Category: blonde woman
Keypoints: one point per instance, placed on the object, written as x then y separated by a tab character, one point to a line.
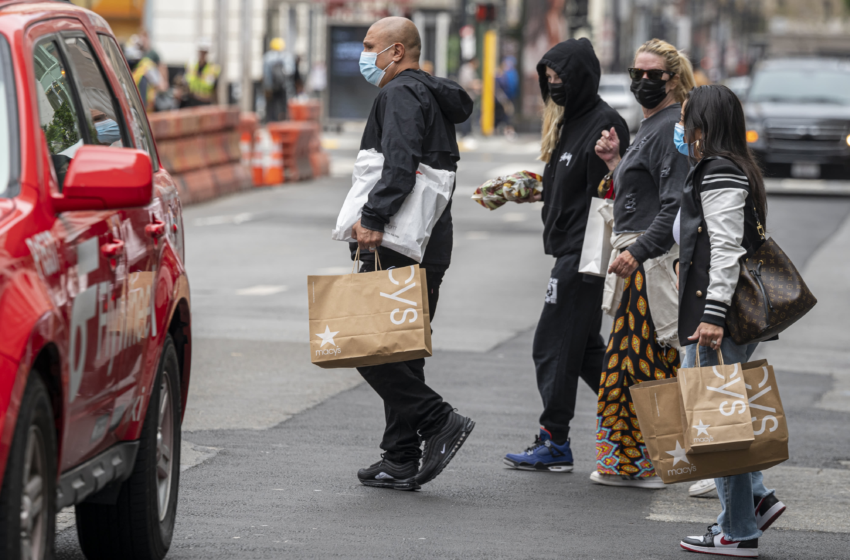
567	344
640	289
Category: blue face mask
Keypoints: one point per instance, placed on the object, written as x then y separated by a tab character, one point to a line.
107	132
679	140
369	68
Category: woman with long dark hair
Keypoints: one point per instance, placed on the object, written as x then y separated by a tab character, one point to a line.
724	211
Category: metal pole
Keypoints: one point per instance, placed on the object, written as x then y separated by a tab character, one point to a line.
247	100
199	20
221	50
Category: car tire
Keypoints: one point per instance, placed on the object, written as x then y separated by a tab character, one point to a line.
140	525
28	494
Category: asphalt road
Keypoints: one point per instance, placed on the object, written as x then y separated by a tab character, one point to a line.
273	443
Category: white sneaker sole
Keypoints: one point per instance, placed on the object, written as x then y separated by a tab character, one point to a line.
557	469
765	521
737	552
611	480
702	490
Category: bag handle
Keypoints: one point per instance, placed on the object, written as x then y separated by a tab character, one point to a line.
354	267
719	356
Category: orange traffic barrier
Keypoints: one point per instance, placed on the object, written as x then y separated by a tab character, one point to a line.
267	160
310	110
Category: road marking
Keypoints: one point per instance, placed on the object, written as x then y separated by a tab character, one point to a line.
804	490
514	217
334	271
222	220
261	290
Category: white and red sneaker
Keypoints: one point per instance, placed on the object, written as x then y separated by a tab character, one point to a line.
768	510
719	545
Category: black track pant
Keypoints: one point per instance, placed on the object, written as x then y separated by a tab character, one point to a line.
412	408
567	343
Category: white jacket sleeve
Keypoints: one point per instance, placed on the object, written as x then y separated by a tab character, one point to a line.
724	216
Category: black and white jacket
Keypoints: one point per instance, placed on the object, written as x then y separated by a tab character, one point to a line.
718	227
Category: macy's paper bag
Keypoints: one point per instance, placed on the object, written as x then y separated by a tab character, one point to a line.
369	318
597	248
410	228
716	411
658	405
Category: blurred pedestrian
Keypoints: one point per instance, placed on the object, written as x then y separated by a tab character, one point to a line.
639	291
507	92
724	209
427	67
202	77
468	79
568	345
412	121
149	80
278	84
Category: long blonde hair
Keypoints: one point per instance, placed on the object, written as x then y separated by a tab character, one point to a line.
674	61
553	114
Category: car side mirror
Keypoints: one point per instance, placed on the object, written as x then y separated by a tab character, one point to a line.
106	178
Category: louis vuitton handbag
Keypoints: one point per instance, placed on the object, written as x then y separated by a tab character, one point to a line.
770	297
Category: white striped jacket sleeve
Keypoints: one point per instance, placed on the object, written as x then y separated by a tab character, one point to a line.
723	202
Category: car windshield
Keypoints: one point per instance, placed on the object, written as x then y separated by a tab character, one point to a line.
829	87
5	135
612	89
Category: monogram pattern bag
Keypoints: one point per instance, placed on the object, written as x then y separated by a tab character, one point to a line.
770	296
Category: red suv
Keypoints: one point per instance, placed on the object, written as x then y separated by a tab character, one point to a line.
95	327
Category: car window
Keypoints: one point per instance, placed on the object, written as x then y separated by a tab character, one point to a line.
612	89
810	85
101	113
8	130
138	122
57	107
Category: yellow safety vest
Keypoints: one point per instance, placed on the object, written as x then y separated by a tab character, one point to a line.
204	83
141	69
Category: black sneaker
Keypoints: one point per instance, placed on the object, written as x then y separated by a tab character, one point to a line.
768	510
719	545
440	448
389	474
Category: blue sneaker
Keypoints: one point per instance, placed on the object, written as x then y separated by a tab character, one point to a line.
543	455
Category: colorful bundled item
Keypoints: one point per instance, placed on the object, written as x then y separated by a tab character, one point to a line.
516	186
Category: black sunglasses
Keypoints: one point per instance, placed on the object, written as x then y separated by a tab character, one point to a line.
637	73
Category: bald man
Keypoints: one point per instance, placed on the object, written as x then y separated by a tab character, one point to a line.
412	122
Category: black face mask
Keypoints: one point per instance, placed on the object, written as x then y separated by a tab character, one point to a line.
558	93
649	93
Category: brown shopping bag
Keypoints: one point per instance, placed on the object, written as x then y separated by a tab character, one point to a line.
658	405
716	411
369	318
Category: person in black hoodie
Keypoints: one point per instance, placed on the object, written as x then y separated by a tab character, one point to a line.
412	121
568	344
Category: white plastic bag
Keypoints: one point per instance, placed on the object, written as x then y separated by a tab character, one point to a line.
596	250
409	230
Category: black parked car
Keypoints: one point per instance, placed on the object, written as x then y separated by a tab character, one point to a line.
798	117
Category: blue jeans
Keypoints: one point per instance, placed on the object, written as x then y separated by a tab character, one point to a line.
737	520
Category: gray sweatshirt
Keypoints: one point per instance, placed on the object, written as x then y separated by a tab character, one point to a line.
648	185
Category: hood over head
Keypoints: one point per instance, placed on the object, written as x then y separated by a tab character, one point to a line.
576	64
454	102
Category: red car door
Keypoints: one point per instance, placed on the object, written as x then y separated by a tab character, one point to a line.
89	245
139	226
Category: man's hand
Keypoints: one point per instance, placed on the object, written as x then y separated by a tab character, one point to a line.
708	335
624	265
367	239
608	148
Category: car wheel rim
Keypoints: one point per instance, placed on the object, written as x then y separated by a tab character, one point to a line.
164	446
34	498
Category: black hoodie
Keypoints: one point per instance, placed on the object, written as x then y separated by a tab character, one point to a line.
571	177
412	121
